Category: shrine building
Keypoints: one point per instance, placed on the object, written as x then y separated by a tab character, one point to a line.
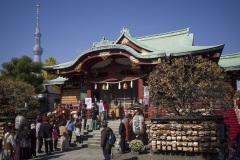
118	70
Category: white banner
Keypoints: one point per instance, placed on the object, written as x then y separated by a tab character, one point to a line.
88	102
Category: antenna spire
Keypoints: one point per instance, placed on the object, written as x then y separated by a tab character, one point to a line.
38	8
37	49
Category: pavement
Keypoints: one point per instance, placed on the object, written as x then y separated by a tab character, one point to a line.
83	153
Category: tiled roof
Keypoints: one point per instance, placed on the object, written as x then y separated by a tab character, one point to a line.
230	62
176	43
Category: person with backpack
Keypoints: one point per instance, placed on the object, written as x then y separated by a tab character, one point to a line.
108	139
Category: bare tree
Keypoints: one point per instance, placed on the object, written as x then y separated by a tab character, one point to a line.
189	85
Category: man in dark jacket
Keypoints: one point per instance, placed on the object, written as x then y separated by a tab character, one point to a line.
84	115
122	133
94	113
47	135
106	148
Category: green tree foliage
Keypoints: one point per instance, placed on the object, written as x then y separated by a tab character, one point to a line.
14	94
49	62
189	86
23	69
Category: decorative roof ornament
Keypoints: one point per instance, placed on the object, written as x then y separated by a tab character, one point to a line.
103	42
125	31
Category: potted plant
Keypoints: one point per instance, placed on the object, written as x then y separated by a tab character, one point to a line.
136	146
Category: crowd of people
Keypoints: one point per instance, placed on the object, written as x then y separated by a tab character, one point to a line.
28	141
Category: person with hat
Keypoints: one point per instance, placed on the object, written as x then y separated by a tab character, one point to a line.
33	140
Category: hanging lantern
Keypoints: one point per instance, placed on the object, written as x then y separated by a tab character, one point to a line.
119	85
107	86
125	85
131	84
104	87
95	87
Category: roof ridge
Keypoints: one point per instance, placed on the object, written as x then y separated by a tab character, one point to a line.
230	55
166	34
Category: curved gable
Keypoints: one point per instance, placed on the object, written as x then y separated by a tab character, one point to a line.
126	39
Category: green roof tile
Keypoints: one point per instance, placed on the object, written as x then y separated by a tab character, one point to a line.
230	62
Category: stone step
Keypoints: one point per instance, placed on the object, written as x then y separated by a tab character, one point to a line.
92	138
94	141
98	146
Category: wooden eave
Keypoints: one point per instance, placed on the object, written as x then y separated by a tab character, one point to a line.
212	54
82	68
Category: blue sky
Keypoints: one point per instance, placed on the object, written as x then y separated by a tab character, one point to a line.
69	27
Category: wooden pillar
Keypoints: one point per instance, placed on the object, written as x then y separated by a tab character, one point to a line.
140	90
89	91
234	83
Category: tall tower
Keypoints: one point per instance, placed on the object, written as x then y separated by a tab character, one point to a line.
37	49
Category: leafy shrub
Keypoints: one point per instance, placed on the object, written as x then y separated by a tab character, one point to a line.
136	145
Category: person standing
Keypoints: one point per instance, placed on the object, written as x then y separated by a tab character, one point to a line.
105	105
77	126
39	135
84	116
70	128
101	111
106	148
64	143
122	133
47	135
55	136
8	144
22	141
33	140
94	112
